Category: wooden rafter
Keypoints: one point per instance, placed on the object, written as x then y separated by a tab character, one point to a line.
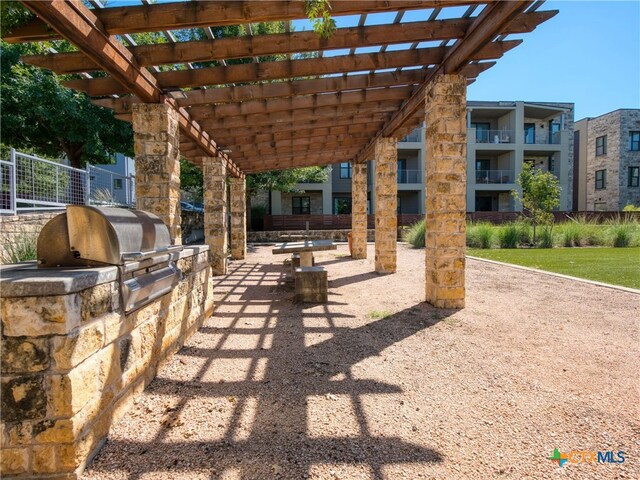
267	71
80	26
284	43
178	15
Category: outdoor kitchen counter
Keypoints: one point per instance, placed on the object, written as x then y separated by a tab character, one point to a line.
27	280
73	360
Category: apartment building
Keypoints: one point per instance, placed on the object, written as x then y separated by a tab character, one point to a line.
501	136
607	161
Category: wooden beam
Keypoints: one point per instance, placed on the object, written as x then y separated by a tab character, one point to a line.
285	43
300	103
80	26
297	116
294	160
300	144
179	15
494	18
265	71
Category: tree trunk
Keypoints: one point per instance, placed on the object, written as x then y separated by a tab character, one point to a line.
77	181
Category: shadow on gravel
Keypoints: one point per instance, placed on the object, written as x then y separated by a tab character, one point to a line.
277	381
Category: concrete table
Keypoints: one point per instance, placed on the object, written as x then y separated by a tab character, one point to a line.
305	249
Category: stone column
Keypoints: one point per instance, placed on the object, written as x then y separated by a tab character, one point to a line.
238	207
359	210
386	158
446	175
214	172
156	144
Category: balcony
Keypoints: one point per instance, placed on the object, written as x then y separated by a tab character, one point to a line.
414	136
409	176
495	136
494	177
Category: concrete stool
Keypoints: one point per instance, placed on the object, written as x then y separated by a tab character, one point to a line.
295	262
311	285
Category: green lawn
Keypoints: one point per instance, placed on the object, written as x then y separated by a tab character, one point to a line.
618	266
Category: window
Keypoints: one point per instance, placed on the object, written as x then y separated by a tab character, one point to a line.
529	133
634	177
554	127
300	205
117	184
601	179
342	205
601	146
552	163
634	141
482	131
345	170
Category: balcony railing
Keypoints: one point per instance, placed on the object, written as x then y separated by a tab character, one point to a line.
494	176
413	136
409	176
495	136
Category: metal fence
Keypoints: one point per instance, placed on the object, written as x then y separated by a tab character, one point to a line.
31	183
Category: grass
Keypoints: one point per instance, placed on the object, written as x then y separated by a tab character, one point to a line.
21	249
378	314
617	266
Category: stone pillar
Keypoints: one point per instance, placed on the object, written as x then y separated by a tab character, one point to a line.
386	235
238	207
214	172
359	210
446	175
156	144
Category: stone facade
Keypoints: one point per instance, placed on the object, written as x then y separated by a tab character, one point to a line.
16	229
157	149
446	175
386	204
214	171
359	210
619	157
315	202
73	362
238	209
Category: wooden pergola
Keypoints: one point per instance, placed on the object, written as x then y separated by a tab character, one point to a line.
279	114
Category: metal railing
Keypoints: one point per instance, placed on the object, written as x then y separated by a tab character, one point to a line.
495	136
31	183
410	176
494	176
414	136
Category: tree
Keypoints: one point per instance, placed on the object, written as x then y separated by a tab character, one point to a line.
540	195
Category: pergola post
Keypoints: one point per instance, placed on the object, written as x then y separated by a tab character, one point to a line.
359	210
157	152
214	172
386	204
238	207
446	176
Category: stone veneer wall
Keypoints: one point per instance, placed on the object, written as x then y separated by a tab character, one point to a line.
73	362
359	210
315	202
386	204
15	227
238	211
214	172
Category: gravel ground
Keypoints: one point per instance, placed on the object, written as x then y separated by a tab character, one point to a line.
378	385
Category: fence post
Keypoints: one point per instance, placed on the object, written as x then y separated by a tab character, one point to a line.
87	188
13	187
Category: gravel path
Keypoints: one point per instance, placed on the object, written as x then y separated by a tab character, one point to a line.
378	385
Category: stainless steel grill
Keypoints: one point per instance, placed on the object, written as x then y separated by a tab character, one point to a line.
137	242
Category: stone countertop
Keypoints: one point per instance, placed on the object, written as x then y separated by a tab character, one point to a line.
26	280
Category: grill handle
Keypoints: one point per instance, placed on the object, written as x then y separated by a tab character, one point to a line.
137	256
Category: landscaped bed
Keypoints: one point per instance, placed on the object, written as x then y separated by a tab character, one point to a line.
618	266
377	384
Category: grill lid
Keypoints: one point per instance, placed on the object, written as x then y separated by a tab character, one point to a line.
87	235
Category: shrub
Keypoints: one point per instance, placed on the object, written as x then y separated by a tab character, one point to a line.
509	236
572	234
545	239
415	234
631	208
480	235
525	233
21	249
622	234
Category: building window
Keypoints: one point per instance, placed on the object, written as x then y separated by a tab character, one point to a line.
300	205
529	133
552	164
634	141
345	170
117	184
342	205
634	177
601	179
554	128
601	146
482	131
